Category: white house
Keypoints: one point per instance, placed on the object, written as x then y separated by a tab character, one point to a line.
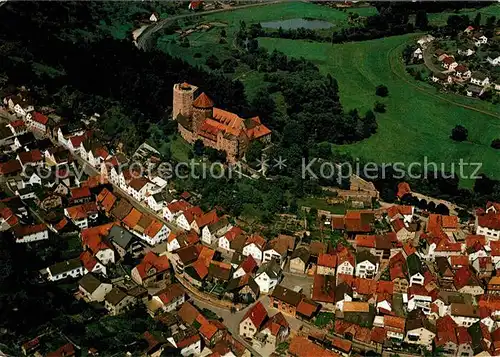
139	188
28	234
174	209
366	265
494	59
466	51
415	270
488	225
92	288
253	320
156	202
154	17
91	264
278	248
216	231
423	41
170	298
345	263
479	79
37	121
462	72
246	267
267	277
20	104
189	344
420	332
254	246
156	233
72	268
418	54
81	215
419	298
464	314
187	217
480	39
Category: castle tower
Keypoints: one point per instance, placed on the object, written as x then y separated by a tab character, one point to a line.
183	99
202	109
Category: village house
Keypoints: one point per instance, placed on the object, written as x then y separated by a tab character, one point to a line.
419	331
479	79
188	216
247	266
462	72
276	329
82	215
92	264
366	265
216	231
326	264
345	262
268	276
278	248
168	299
466	51
226	241
37	121
254	246
299	260
466	281
449	63
464	314
198	119
153	270
92	288
243	289
204	220
488	225
21	104
28	234
253	320
93	239
285	300
415	270
118	302
72	268
479	39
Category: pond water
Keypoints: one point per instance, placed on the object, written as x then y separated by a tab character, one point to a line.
293	24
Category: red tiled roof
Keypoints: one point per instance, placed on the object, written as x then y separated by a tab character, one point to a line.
447	246
398	225
40	118
386	287
21	230
472	239
394	323
489	220
132	218
206	255
364	286
378	335
275	323
30	156
233	233
327	260
82	211
67	350
203	102
200	268
108	202
153	228
151	260
138	183
178	206
463	277
324	288
257	314
188	313
302	347
92	237
88	260
206	219
463	336
363	240
257	240
173	291
192	213
495	248
307	307
403	189
248	265
80	192
208	330
459	260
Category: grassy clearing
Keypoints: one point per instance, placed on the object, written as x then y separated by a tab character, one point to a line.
418	120
439	19
321	204
180	149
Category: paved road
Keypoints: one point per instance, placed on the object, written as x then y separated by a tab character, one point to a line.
142	41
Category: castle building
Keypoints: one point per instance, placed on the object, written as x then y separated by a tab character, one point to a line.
216	128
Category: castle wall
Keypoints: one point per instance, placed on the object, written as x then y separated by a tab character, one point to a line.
183	99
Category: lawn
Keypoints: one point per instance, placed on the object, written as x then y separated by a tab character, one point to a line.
439	19
418	120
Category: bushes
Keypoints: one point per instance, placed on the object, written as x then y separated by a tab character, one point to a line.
495	144
379	107
459	133
382	91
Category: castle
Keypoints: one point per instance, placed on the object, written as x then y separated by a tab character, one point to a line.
216	128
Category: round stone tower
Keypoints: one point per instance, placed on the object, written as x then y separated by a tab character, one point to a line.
202	109
183	99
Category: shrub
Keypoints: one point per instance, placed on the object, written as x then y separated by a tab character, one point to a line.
459	133
379	107
495	144
382	91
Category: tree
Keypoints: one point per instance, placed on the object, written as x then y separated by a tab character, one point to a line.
382	91
422	204
421	20
379	107
213	62
459	133
198	147
254	152
442	209
477	20
223	33
495	144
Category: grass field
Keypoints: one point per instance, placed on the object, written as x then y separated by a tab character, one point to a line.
440	18
205	43
418	120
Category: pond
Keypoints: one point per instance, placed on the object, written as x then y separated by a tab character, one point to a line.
293	24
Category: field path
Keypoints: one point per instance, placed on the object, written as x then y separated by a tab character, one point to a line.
425	91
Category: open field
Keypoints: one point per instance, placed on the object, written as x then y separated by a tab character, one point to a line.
439	19
205	43
418	120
